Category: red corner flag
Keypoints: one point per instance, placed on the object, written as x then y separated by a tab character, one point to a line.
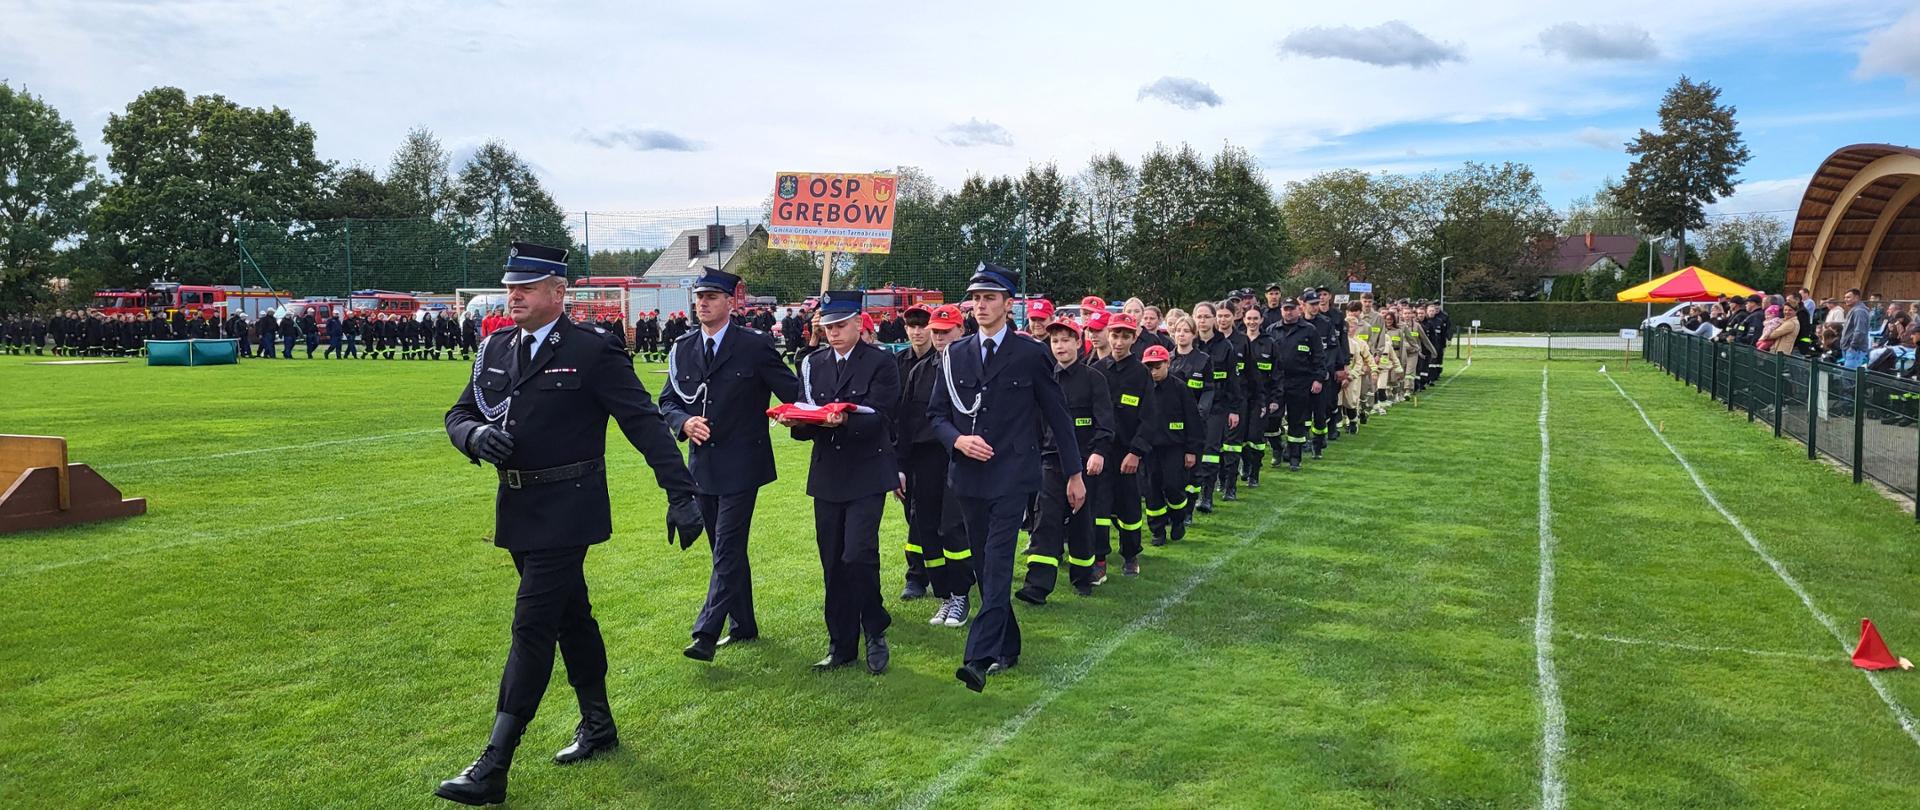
1872	652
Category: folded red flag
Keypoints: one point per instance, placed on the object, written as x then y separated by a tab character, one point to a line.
1872	653
812	414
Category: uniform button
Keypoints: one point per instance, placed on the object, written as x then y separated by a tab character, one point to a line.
516	392
512	422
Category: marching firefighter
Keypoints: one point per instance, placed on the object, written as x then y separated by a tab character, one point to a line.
1303	375
1061	528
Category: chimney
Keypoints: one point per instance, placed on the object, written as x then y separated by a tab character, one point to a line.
693	245
716	235
1589	241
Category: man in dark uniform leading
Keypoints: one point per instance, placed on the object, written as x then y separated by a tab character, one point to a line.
719	379
537	409
997	393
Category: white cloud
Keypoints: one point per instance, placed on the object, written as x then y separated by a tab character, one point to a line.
642	139
1610	140
1600	42
1893	50
1780	197
1182	92
976	132
1389	44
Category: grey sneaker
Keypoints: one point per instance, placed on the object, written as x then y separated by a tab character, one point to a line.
959	612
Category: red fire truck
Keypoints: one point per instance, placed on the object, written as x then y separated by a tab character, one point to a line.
163	298
382	302
890	301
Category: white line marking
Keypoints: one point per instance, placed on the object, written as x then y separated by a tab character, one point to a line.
1642	642
1900	712
232	453
1462	370
1553	715
1072	676
199	537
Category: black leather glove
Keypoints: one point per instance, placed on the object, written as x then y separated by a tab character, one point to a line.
683	519
490	444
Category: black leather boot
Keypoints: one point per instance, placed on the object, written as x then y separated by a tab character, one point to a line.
596	733
1229	488
1293	456
485	781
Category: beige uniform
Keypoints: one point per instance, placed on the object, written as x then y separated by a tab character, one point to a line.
1359	372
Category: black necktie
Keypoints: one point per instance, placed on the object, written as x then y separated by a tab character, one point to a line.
839	369
990	348
710	350
526	353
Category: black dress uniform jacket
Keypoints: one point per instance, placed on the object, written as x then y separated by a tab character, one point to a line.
1017	386
855	459
557	411
1297	354
746	370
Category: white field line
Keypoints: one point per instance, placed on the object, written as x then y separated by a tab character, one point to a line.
1900	713
1462	370
1675	645
200	537
938	788
1553	714
258	450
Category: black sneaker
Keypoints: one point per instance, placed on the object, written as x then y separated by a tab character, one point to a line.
1132	568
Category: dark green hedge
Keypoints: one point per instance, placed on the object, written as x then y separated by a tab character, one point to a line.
1547	316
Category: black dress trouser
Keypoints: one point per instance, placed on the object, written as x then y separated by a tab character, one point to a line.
550	608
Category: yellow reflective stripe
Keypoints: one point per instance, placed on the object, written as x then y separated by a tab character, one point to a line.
1129	399
1132	527
1302	348
1196	384
1083	421
1255	445
958	555
1229	448
1080	561
1177	506
936	562
1297	439
1193	489
1152	512
1266	366
1103	521
915	549
1176	426
1219	375
1210	459
1042	560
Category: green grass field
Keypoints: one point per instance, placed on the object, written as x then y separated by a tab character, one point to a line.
312	616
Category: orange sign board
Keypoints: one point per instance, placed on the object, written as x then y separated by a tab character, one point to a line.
842	213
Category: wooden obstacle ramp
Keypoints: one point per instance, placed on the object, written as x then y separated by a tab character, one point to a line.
43	490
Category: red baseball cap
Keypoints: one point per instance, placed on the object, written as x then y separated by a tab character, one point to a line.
866	322
920	308
1064	323
1123	321
1092	303
1097	320
1154	354
1039	309
945	316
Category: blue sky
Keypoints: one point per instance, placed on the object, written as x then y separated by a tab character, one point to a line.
648	106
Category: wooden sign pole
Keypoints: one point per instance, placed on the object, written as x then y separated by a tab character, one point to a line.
826	272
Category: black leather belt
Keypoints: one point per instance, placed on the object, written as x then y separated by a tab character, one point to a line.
516	479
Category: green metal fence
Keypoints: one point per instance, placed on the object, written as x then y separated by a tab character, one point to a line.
1864	420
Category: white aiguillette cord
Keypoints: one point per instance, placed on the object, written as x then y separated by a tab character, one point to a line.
492	413
673	382
953	394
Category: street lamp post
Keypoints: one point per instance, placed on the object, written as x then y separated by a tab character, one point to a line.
1443	279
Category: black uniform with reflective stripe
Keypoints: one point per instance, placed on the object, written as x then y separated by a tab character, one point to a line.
1091	408
1297	355
1177	421
1131	387
1224	373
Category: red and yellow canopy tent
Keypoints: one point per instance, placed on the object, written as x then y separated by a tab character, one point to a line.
1690	284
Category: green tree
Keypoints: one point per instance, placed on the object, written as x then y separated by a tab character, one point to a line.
628	262
419	175
1166	224
1688	164
1350	220
789	275
1242	238
47	184
1598	213
1774	277
355	192
1738	266
501	202
1495	223
1603	282
1060	255
1106	189
185	170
